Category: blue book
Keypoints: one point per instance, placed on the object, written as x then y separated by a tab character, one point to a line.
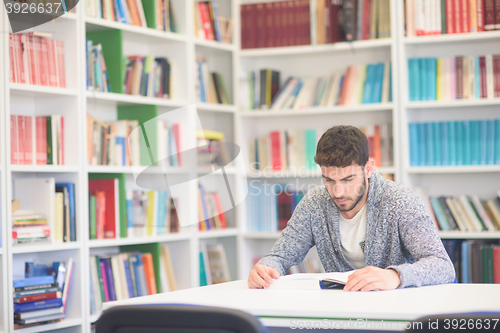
490	142
445	143
467	142
390	81
215	10
106	261
424	81
465	262
367	87
497	141
429	131
137	269
414	144
33	281
483	141
437	143
39	305
459	141
412	79
423	143
200	78
432	77
128	277
477	77
475	141
452	143
72	214
377	87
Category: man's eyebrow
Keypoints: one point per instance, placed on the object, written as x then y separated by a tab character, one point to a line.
327	178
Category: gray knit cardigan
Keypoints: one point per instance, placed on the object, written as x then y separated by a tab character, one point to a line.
399	234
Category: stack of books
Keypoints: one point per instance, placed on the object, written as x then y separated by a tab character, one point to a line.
210	86
212	149
35	58
37	140
148	76
461	77
213	264
211	213
359	84
468	142
29	227
450	17
97	74
209	25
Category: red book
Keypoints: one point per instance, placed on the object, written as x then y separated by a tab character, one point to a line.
260	23
489	15
334	33
245	26
149	272
284	209
297	23
61	157
497	14
43	61
496	74
21	138
459	90
41	140
51	63
60	63
377	147
482	73
222	215
450	17
20	60
112	218
28	139
31	58
176	128
205	20
496	264
278	24
36	298
458	15
37	46
14	153
270	25
365	34
480	15
104	281
275	150
306	18
465	16
12	72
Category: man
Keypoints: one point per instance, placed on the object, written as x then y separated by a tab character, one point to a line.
359	220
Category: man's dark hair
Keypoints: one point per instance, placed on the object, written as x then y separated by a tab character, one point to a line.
341	146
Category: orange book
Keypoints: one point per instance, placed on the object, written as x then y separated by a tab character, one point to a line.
343	92
134	13
377	147
149	272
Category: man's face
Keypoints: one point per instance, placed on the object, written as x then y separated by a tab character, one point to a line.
346	186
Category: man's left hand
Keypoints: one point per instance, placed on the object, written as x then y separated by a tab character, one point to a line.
372	278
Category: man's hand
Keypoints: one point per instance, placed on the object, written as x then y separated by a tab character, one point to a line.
262	276
372	278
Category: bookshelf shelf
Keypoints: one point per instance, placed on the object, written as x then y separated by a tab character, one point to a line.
123	99
45	168
93	24
100	243
29	90
127	169
29	248
66	323
375	107
218	233
262	235
469	235
214	45
310	49
216	107
452	38
452	104
454	169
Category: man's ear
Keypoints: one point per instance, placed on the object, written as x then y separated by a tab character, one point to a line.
369	167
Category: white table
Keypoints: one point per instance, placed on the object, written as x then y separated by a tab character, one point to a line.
383	310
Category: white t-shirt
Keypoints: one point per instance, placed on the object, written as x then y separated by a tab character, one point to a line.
352	238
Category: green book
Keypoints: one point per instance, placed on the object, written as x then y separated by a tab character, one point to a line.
203	273
99	276
487	263
310	143
443	17
150	12
49	140
93	219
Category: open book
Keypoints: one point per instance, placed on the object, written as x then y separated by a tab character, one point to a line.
308	281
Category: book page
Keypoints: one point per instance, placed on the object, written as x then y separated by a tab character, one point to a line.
307	281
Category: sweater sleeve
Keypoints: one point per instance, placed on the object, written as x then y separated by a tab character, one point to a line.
419	237
295	240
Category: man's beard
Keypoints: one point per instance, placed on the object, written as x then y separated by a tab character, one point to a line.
356	201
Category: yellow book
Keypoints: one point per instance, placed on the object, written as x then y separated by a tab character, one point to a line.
360	84
439	80
150	213
59	217
269	82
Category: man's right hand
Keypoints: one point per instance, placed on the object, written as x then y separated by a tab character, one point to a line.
262	276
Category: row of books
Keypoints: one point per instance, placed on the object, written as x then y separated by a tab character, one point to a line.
148	76
118	143
368	19
270	206
465	213
210	87
461	77
213	264
34	224
359	84
97	74
156	14
127	275
41	296
273	24
469	142
450	16
209	25
37	139
212	149
475	261
211	214
35	58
